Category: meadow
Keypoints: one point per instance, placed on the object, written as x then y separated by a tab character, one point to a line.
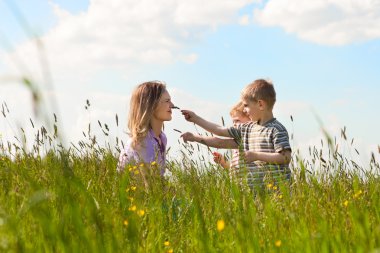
56	199
71	199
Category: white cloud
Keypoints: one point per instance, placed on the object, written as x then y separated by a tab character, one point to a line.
244	20
327	22
190	59
126	34
104	108
206	13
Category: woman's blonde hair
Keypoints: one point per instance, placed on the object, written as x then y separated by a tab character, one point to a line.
143	103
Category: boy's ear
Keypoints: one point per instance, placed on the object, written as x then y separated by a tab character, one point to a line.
262	104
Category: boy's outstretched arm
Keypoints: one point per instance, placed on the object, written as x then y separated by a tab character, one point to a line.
208	126
282	157
210	141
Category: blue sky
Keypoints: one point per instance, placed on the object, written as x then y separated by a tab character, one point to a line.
322	58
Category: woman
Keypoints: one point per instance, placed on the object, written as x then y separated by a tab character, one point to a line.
150	106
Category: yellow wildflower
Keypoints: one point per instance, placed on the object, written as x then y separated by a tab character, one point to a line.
170	251
132	208
345	203
166	243
357	194
280	196
141	165
277	243
125	222
137	172
274	187
269	186
153	163
133	188
220	225
140	213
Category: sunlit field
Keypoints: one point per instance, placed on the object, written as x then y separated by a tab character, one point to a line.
56	199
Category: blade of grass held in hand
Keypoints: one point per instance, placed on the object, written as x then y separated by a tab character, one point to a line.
177	130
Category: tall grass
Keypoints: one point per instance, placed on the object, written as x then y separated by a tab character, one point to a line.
57	199
54	199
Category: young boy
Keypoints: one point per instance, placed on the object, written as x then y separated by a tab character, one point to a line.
264	140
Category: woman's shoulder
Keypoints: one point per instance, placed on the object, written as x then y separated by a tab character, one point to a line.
164	139
131	151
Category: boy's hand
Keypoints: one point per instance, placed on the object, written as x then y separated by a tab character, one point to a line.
188	137
250	156
189	115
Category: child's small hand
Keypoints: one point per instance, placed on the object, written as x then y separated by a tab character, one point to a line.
189	115
188	137
217	157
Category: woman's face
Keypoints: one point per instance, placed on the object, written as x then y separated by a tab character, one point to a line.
163	111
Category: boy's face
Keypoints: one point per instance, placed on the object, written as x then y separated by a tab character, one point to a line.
253	109
239	118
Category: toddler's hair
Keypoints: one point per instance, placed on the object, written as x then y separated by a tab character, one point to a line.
236	109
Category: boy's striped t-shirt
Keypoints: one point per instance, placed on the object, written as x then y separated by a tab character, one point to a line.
270	138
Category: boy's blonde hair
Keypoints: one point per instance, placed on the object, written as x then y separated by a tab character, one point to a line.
143	103
237	109
260	89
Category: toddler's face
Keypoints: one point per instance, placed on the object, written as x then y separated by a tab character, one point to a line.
239	118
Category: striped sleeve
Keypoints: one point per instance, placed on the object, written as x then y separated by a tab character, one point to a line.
235	133
281	140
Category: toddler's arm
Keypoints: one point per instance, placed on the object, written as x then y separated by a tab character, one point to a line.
210	141
208	126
